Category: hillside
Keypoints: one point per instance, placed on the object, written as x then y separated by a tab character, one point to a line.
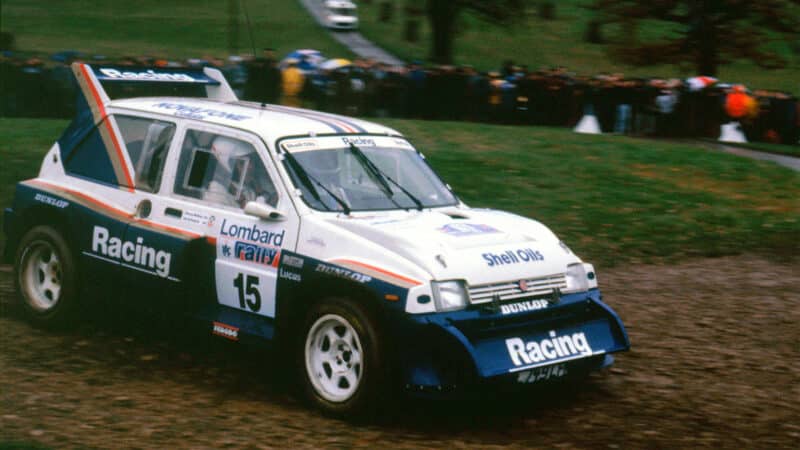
536	42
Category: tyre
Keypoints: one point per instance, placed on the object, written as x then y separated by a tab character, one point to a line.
46	277
340	358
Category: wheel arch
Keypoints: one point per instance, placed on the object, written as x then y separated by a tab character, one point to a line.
34	216
293	307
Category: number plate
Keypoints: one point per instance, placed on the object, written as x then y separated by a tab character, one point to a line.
542	374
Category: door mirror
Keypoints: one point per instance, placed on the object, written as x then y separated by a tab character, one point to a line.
263	211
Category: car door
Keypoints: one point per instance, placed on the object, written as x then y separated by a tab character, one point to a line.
215	172
151	251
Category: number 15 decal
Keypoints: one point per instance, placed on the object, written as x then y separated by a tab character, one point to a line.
247	287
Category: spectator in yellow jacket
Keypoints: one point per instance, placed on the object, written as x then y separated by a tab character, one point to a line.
292	81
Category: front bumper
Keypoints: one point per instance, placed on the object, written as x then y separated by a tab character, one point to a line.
574	336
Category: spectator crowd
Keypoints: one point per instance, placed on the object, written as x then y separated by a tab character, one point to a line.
695	107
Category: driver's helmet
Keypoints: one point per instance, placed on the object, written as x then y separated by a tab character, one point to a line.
229	152
235	165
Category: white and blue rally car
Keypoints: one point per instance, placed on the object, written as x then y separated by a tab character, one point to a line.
327	235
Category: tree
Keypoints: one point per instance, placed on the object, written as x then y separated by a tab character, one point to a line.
703	33
443	16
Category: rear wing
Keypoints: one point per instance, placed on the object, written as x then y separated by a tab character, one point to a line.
93	127
143	81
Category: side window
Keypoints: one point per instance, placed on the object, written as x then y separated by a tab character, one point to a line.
147	141
222	170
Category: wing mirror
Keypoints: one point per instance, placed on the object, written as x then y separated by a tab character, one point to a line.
263	211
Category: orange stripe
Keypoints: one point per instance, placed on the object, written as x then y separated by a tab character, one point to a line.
85	197
102	109
377	269
120	156
168	228
119	212
93	90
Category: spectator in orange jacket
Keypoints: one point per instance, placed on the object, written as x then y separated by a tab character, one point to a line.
739	104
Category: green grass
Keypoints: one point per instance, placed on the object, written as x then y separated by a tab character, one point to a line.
161	28
538	42
617	199
614	199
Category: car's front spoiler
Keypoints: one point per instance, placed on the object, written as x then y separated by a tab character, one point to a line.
578	334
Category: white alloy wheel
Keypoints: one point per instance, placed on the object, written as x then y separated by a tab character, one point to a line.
41	276
334	358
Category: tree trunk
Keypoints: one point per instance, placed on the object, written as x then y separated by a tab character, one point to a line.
703	33
442	15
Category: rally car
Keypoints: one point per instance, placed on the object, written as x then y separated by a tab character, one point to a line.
326	236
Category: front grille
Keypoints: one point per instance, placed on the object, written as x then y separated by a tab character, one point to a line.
510	290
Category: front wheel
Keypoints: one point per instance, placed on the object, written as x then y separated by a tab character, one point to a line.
46	277
342	372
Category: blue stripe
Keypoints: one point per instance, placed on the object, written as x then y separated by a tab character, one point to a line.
321	117
296	112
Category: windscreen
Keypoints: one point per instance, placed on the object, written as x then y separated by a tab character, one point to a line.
365	178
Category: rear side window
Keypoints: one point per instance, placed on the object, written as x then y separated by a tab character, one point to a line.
97	157
147	141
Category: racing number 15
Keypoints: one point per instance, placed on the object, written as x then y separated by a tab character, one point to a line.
249	297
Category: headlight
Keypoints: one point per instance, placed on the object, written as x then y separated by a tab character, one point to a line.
580	277
450	295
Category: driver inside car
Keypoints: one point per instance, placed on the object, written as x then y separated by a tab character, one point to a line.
239	176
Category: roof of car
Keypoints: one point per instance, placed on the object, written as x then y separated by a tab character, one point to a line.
272	122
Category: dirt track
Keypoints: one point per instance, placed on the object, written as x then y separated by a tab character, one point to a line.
715	363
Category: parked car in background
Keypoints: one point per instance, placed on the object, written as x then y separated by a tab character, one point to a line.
340	14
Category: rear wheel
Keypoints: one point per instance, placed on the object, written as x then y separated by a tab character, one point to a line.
46	277
340	358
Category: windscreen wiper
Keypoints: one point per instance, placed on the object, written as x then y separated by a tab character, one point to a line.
381	176
372	170
308	180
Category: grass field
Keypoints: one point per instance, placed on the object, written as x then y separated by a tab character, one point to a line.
538	42
164	28
614	199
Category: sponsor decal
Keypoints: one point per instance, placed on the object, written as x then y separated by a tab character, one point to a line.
251	233
552	348
197	218
52	201
299	145
344	273
246	251
283	273
529	305
467	229
542	373
130	253
197	112
293	261
361	142
522	255
226	331
148	75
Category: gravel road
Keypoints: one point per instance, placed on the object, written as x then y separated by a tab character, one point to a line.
715	363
